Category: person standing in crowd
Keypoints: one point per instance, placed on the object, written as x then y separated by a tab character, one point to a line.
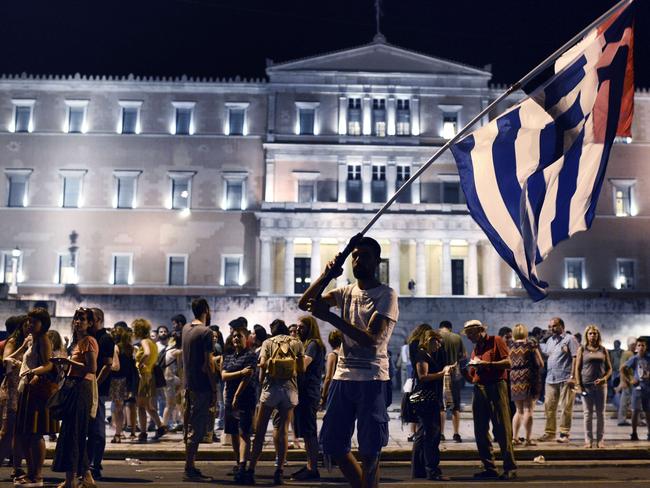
70	454
625	384
358	394
58	351
178	322
561	349
335	339
431	368
639	365
281	359
172	371
12	358
304	415
455	353
615	358
97	427
593	369
162	332
200	385
33	420
145	359
413	342
122	384
404	363
524	382
487	371
238	372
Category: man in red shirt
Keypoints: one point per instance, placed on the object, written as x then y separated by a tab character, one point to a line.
488	371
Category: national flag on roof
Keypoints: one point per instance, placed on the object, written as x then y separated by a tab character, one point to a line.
532	176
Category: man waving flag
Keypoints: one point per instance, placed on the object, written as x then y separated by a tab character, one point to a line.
532	176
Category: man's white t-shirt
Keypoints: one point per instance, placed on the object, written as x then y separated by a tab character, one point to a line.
359	363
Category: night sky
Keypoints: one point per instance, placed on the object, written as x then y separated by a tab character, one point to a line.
235	37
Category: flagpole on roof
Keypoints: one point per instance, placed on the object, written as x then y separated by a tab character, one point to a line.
516	86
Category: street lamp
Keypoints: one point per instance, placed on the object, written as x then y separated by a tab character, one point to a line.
15	256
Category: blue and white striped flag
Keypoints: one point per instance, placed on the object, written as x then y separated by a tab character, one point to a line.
532	176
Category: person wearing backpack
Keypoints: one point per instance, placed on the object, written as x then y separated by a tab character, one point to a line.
360	389
281	360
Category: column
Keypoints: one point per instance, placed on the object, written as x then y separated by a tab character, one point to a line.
343	178
343	115
390	115
415	186
445	268
343	279
415	116
288	266
366	114
269	184
266	267
366	181
393	266
420	269
391	178
472	269
315	268
491	270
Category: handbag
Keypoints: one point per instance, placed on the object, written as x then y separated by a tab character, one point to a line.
60	403
407	412
423	400
159	376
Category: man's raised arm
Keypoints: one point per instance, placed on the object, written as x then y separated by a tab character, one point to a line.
311	292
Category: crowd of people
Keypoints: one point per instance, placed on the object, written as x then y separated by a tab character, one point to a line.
188	378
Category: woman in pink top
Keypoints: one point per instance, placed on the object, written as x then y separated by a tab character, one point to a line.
71	455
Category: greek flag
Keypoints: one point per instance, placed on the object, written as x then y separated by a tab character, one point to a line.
532	176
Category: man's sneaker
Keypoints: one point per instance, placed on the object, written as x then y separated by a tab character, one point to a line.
634	436
278	477
457	438
547	438
160	431
142	437
563	439
488	474
508	475
304	474
195	475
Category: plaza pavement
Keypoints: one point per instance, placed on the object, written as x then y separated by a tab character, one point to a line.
618	445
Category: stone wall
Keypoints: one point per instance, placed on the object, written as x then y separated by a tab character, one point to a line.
617	317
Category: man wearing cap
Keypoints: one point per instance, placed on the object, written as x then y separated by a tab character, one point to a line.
487	371
359	391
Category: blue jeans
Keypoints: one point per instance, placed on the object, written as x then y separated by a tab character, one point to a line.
97	436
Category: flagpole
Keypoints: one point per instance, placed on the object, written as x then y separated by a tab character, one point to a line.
342	256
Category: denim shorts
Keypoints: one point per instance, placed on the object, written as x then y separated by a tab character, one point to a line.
363	402
640	400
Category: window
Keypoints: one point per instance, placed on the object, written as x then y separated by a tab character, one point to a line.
181	186
403	174
457	277
623	197
183	119
452	193
403	127
130	118
71	190
353	186
234	194
306	192
354	116
449	124
67	268
22	117
302	274
7	267
379	117
18	180
122	269
126	188
626	274
236	119
176	270
231	269
306	123
75	122
378	185
574	273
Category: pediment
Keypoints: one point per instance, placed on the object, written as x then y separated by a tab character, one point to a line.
377	57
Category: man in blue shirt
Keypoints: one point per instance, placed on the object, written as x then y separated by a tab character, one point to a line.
640	367
560	349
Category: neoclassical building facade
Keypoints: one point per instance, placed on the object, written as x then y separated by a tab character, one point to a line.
187	186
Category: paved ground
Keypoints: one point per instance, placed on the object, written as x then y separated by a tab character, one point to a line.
554	474
616	437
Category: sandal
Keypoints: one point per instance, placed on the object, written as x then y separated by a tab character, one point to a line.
116	439
516	442
530	443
